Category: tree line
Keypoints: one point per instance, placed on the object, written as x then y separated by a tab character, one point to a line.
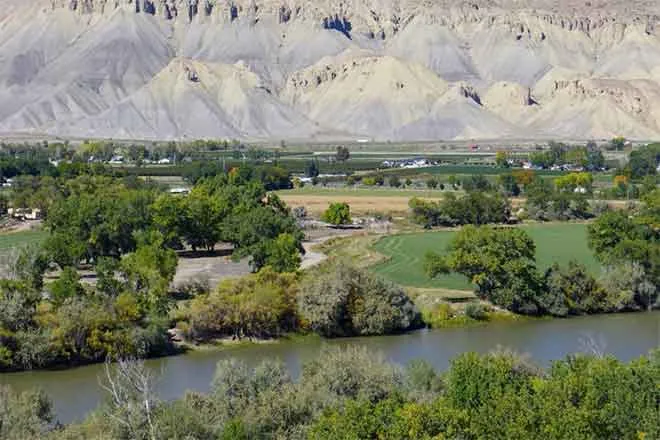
334	300
501	263
125	234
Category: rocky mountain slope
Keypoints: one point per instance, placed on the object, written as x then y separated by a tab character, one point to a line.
302	69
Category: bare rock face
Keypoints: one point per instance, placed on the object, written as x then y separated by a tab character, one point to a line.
303	69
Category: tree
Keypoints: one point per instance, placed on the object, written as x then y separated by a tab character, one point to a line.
202	220
644	161
149	270
281	254
509	184
617	143
474	208
432	183
572	290
501	159
499	262
595	159
28	264
312	168
337	214
343	154
609	231
476	182
133	404
394	182
524	177
575	181
66	286
344	301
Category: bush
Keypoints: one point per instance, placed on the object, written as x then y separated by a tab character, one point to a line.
337	214
476	311
195	287
344	301
394	182
261	305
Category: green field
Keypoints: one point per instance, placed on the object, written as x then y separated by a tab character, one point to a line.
13	239
554	243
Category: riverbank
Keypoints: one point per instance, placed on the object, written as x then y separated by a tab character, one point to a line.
543	340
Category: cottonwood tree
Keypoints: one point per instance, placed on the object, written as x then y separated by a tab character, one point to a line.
499	262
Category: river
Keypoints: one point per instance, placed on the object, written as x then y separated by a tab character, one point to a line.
76	391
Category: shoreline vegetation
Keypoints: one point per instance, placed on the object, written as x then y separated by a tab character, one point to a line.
354	393
100	284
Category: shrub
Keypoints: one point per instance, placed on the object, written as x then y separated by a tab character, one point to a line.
344	301
194	287
337	214
476	311
394	182
261	305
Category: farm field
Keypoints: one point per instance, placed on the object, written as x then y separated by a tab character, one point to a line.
10	240
554	243
362	201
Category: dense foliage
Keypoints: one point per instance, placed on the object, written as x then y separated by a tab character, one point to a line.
565	199
124	233
476	208
628	244
345	301
337	214
501	264
589	157
355	394
261	305
643	162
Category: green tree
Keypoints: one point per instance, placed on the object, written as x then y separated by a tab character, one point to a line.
644	161
509	184
501	159
66	286
499	262
337	214
394	182
281	254
618	143
432	183
343	154
149	270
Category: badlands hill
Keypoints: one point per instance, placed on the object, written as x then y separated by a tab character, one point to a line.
324	69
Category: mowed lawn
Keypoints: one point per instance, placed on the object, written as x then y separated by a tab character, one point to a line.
11	240
555	243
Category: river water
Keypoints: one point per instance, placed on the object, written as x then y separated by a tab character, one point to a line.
76	391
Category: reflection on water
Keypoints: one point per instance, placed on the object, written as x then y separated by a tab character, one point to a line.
75	392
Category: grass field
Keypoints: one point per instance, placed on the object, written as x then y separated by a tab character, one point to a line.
554	243
11	240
